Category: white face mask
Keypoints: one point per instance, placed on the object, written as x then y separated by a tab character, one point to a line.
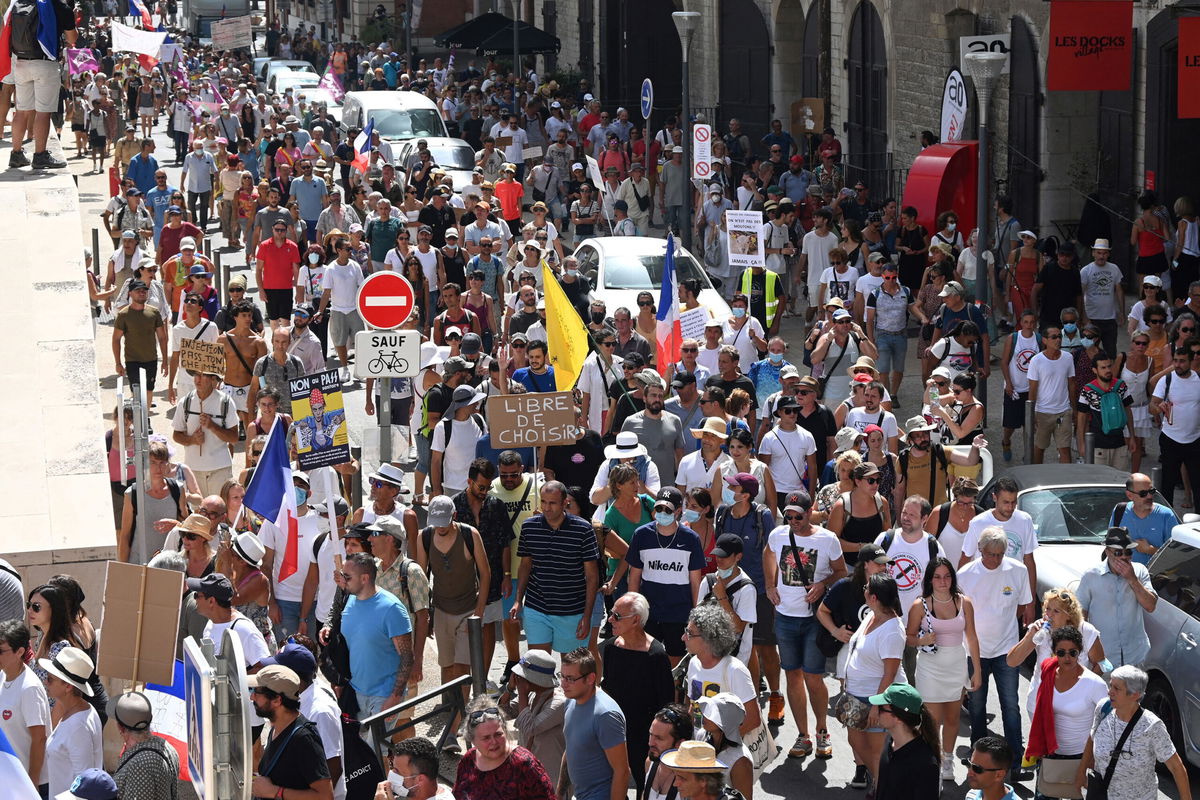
396	782
950	226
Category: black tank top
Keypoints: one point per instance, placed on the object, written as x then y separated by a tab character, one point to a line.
860	529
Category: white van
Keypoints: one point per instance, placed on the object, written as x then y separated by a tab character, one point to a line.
399	116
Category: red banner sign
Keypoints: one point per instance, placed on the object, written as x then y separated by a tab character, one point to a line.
1091	45
1189	68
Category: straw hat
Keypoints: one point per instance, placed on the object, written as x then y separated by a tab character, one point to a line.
692	756
714	425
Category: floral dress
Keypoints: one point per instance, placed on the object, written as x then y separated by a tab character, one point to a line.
929	302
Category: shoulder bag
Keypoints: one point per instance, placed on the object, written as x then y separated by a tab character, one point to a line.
1097	784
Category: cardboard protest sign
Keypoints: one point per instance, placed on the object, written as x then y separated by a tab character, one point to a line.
197	356
319	415
141	620
534	419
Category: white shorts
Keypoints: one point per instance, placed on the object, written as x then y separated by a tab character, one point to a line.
238	394
37	84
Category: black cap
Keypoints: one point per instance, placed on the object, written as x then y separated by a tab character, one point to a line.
213	585
1118	537
683	379
362	530
786	402
135	285
134	192
669	494
728	544
635	360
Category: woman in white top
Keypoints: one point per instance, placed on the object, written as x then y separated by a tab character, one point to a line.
949	521
1060	609
968	261
743	331
76	742
712	640
875	652
1135	368
1152	295
1187	248
723	714
147	272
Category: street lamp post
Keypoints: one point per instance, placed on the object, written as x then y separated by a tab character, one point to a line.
984	69
686	23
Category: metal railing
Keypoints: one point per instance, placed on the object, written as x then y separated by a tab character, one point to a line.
878	171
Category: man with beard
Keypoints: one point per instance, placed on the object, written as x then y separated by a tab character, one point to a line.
660	431
294	757
304	343
923	463
672	725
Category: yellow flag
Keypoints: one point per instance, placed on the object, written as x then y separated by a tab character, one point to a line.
566	336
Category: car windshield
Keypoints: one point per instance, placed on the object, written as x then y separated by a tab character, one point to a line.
453	157
397	123
1175	575
1071	514
632	271
317	95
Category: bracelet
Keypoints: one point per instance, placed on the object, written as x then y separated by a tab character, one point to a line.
279	794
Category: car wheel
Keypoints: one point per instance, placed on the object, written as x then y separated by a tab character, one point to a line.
1160	700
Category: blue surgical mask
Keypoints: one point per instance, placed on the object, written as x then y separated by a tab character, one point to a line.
738	311
1086	342
301	495
664	518
727	496
1070	327
313	258
691	515
725	573
776	358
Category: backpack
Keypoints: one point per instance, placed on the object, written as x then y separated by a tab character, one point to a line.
174	486
1112	409
26	23
226	405
755	512
447	424
939	452
890	537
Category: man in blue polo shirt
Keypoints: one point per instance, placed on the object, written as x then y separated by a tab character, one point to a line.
1149	523
142	167
312	194
158	199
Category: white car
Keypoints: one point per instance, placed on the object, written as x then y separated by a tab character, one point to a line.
619	267
277	65
398	116
453	155
296	81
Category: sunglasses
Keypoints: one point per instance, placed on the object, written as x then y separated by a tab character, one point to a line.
1053	336
1063	653
835	263
1141	492
1155	321
1140	344
482	714
871	480
521	345
889	277
979	769
689	350
188	536
806	391
236	290
34	606
645	305
280	230
1120	551
618	617
192	303
793	517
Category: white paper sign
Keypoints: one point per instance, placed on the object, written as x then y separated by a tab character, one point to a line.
746	247
691	323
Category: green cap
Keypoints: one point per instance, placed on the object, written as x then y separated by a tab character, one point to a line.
900	695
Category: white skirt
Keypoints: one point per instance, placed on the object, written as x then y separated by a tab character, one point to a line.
942	676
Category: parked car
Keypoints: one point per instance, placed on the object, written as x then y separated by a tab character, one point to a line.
453	155
621	266
399	116
296	81
276	65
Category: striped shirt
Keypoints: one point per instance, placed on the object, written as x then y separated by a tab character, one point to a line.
557	584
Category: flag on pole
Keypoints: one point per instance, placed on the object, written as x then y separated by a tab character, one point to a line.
330	83
47	35
566	337
170	715
272	496
669	335
215	86
362	148
82	60
137	8
13	774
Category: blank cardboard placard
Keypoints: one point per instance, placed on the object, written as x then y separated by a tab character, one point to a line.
141	622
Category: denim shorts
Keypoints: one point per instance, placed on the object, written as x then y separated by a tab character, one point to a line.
797	639
423	450
556	630
893	347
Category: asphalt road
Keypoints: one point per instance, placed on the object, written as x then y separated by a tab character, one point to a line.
785	777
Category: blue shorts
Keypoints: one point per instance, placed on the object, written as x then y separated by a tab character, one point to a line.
556	630
424	446
893	347
508	602
797	640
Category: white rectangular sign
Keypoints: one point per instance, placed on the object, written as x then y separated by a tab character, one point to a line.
992	43
746	247
387	354
230	34
702	151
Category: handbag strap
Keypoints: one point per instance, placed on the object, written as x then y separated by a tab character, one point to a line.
1116	753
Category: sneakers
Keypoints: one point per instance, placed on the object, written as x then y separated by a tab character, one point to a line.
859	781
802	748
18	159
44	160
947	766
824	744
775	710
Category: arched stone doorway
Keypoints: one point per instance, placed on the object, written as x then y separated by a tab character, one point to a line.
866	121
745	84
1024	124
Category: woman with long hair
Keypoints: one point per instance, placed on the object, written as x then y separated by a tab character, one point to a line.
630	509
887	461
741	459
962	419
873	515
854	245
942	624
1150	236
908	760
1060	608
240	558
1187	249
698	514
49	612
843	468
1135	368
1152	295
1024	264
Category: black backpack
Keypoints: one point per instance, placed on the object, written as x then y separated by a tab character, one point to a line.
26	22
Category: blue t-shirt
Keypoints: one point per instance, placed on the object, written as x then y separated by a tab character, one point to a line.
765	377
589	729
666	563
754	537
533	382
484	449
369	626
158	201
1155	529
310	195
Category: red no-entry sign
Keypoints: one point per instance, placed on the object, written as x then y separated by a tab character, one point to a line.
385	300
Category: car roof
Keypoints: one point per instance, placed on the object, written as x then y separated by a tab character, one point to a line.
1033	476
391	99
1187	532
442	141
630	245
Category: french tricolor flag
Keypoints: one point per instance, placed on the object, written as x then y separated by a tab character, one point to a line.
272	496
47	35
13	774
362	148
170	716
670	337
137	8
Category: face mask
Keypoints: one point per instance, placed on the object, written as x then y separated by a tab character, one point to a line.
950	226
571	273
775	357
691	515
396	781
1070	327
664	518
301	495
313	258
1087	342
597	317
716	198
197	147
724	573
739	312
727	496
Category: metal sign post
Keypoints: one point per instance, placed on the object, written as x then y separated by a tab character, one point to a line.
232	722
382	356
141	443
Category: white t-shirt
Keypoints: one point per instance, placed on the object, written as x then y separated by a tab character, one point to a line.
273	539
429	262
1139	309
867	284
907	563
864	666
743	340
326	587
840	284
344	280
318	705
310	279
996	594
859	418
24	705
457	458
708	358
594	381
816	249
1073	711
789	452
1184	395
1052	374
75	744
692	473
213	453
254	646
206	331
729	675
801	566
1022	540
951	354
1023	351
745	605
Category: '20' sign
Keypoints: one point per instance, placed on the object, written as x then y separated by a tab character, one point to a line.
995	43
